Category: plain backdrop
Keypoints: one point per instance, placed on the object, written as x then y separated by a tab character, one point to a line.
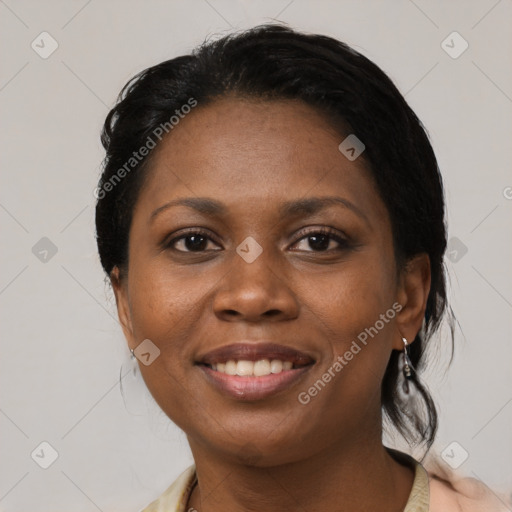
62	347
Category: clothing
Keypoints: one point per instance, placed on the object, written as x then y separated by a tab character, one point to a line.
175	498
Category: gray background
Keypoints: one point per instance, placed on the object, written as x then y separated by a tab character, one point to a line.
62	347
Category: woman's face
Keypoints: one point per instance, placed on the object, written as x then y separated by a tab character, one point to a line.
255	239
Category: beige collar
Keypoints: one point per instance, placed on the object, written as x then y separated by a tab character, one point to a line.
175	497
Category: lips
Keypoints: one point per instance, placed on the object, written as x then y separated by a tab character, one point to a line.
255	352
248	371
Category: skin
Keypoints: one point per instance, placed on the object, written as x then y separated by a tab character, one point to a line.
272	454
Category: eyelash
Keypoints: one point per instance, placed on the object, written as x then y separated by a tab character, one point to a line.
331	233
334	235
185	234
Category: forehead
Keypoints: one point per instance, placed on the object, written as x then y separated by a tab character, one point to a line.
242	151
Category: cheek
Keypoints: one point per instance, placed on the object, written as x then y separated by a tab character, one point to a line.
165	306
353	312
352	299
347	315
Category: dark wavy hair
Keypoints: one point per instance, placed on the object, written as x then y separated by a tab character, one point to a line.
276	62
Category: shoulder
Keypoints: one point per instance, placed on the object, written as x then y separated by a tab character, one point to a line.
463	495
176	495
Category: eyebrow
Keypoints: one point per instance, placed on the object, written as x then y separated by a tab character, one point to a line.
203	205
295	208
313	205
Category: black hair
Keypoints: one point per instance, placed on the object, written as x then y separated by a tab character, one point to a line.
275	62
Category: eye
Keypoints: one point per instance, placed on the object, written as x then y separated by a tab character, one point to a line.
193	241
321	240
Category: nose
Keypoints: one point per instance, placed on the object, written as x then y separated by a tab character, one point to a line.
255	292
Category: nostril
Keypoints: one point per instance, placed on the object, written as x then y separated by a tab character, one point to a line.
272	312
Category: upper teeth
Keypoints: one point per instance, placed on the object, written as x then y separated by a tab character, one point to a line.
253	368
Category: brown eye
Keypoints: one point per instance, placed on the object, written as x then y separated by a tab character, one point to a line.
193	241
320	241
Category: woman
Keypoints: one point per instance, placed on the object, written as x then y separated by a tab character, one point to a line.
271	218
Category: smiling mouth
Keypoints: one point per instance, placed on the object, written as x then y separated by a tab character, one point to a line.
254	359
250	371
260	368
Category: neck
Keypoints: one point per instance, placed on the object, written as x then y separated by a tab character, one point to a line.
350	477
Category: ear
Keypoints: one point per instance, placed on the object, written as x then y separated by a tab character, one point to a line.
120	287
413	293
